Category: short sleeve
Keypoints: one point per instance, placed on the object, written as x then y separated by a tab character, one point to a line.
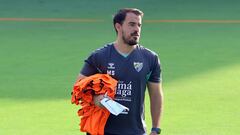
155	75
90	65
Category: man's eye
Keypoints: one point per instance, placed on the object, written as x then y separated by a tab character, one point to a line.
132	24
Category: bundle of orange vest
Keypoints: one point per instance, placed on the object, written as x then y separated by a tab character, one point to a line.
93	118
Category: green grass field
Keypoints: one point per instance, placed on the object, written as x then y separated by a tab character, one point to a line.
39	62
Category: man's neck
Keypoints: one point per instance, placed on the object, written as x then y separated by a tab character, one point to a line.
124	48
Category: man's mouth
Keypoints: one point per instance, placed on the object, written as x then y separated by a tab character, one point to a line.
135	34
135	37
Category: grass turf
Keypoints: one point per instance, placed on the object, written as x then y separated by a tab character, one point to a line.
40	60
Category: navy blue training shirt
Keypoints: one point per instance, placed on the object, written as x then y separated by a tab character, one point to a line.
132	72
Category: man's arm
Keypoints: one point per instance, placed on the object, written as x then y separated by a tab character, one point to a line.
96	98
156	103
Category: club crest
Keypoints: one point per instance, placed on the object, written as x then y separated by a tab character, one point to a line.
138	66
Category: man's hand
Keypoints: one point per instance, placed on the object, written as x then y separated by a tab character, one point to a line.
97	99
153	133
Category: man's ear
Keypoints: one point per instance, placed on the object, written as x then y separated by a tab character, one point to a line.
118	26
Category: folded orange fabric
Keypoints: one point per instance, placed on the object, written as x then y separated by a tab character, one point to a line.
93	118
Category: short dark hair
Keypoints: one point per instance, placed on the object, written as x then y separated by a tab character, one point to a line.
120	16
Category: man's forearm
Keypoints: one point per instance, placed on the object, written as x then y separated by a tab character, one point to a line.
156	103
156	109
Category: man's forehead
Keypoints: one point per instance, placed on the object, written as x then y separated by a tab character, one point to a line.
131	17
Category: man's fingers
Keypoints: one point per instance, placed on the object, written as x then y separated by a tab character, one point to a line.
97	99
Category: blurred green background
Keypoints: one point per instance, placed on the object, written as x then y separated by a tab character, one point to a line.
39	62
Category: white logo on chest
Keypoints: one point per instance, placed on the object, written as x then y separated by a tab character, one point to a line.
111	66
110	69
138	66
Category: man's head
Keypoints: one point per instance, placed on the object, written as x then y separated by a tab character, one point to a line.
127	23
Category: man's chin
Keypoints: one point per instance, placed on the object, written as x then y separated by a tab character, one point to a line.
132	42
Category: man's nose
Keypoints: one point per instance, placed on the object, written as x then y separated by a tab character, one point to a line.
137	29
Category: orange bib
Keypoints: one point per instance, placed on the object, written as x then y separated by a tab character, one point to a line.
93	118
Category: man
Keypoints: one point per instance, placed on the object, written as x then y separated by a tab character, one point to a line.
135	67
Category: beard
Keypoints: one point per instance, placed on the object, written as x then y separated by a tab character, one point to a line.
131	41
